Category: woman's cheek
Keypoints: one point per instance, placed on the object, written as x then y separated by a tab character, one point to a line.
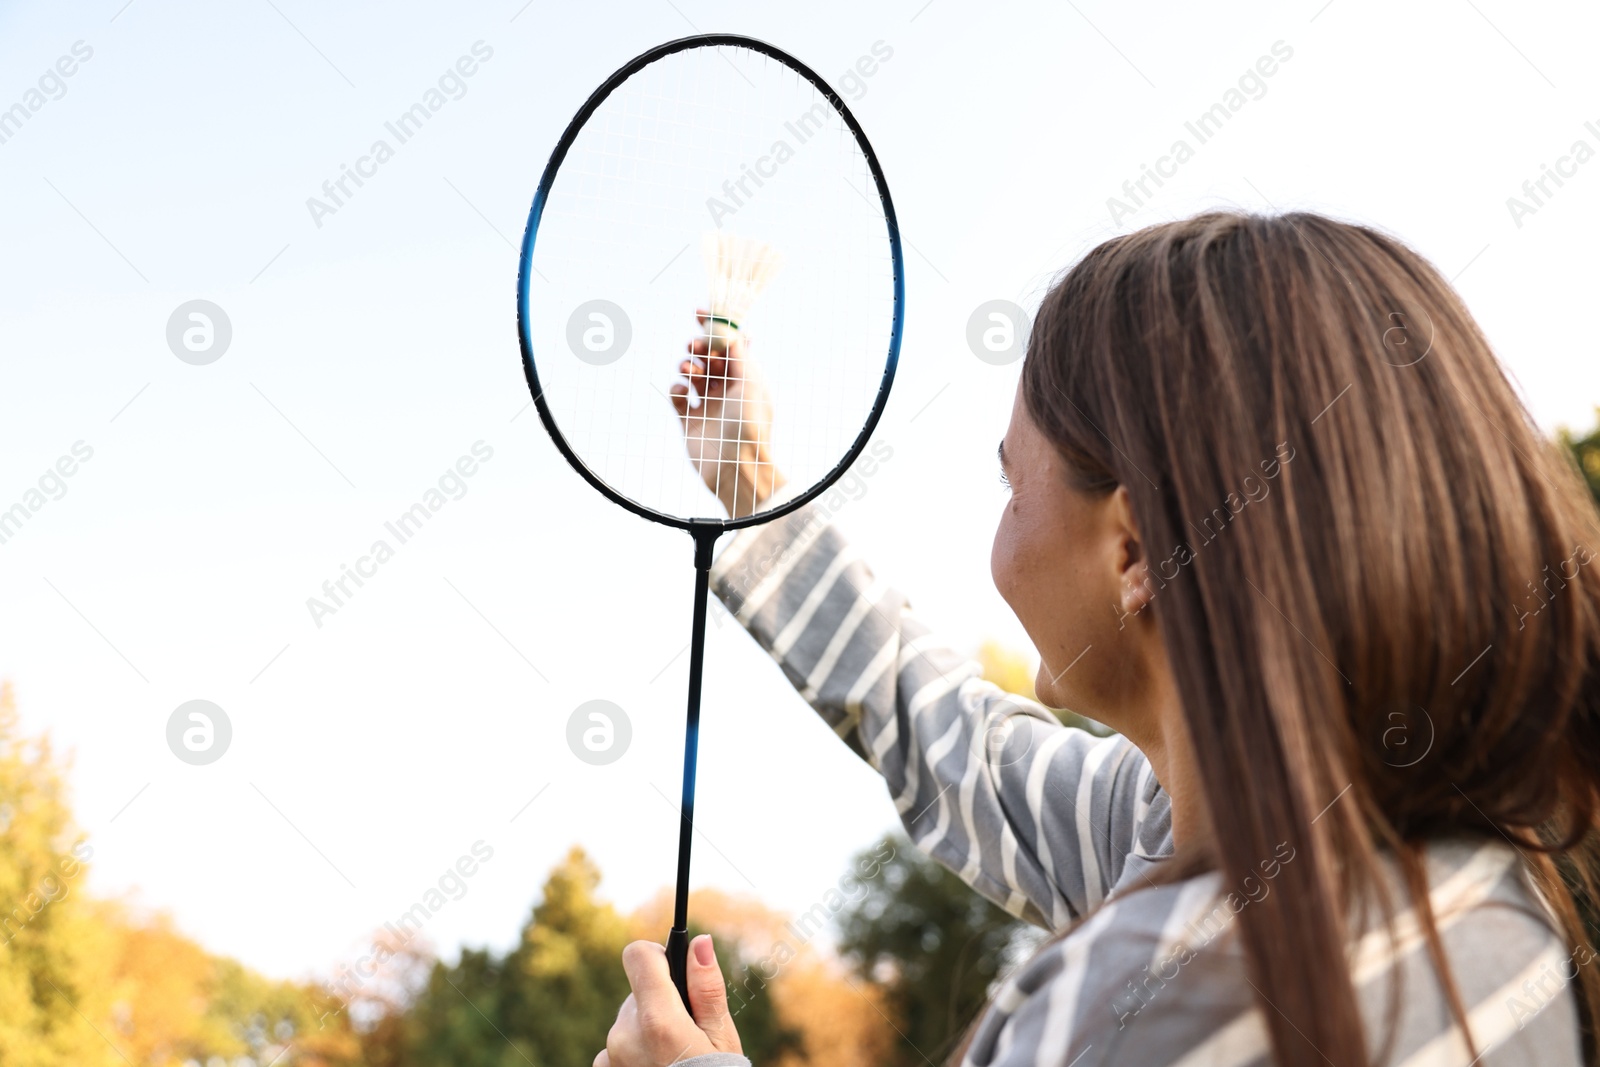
1002	556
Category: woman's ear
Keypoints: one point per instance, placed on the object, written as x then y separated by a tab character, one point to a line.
1135	587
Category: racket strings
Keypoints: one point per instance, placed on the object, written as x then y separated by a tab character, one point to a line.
682	147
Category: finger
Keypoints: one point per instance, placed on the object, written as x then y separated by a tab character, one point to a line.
719	346
645	963
708	995
603	1060
694	373
709	347
717	374
624	1033
680	399
719	363
730	359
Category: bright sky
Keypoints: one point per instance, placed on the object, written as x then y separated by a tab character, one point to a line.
370	353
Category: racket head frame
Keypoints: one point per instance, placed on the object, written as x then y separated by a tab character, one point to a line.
700	526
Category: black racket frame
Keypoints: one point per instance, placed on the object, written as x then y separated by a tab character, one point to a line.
704	531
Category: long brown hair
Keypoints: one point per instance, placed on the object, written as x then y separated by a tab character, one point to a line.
1422	568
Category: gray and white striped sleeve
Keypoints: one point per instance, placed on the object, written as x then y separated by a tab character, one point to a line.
1038	817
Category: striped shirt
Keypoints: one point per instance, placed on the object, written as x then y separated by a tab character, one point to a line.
1054	824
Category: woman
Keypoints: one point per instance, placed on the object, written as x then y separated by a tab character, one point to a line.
1278	518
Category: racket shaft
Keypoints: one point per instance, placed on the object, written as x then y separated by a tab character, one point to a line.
678	939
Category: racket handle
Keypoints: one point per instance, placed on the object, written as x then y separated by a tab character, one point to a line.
678	963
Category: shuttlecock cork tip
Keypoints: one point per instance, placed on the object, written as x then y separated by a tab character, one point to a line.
738	269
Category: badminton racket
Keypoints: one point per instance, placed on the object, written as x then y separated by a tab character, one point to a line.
716	173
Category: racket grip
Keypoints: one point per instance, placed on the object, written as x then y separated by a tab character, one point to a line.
678	963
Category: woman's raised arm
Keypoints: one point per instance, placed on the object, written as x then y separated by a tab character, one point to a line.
1036	816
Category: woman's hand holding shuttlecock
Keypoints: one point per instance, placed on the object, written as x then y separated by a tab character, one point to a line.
726	415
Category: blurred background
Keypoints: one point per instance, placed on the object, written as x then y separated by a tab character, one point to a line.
375	845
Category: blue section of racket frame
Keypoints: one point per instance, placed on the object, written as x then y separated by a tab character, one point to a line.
704	531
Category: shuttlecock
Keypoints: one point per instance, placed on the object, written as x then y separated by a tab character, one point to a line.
738	269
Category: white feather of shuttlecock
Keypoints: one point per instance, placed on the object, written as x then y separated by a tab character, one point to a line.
738	269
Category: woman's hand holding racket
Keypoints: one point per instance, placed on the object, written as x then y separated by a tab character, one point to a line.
726	414
654	1028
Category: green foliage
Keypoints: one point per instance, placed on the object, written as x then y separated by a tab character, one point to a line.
567	971
248	1015
86	983
552	999
454	1021
48	941
935	945
1586	453
762	1034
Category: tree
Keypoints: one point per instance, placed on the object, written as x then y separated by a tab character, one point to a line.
568	967
792	1004
89	982
552	999
457	1018
1586	452
269	1021
377	1007
934	945
49	941
839	1018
